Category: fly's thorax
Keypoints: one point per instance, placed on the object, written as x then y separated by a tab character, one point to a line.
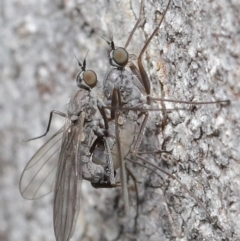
83	101
97	91
78	101
131	89
111	80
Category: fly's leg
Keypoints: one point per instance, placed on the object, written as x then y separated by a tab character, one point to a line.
154	170
140	134
157	168
136	24
106	185
138	141
49	124
138	200
137	197
116	114
116	100
143	77
143	74
122	166
134	69
101	109
110	170
226	102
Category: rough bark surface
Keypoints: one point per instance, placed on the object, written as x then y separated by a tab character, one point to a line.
195	56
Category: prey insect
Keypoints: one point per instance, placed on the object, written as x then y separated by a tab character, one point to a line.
132	90
83	125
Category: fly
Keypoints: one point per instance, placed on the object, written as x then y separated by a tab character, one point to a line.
63	175
130	98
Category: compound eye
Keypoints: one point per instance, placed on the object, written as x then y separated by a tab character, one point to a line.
90	78
120	56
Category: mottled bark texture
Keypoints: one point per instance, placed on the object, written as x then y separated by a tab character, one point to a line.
195	56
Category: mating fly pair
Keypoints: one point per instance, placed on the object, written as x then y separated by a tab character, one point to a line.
99	137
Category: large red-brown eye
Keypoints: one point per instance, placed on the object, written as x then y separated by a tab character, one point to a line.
120	56
90	78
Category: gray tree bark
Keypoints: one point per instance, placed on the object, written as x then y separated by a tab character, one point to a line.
195	56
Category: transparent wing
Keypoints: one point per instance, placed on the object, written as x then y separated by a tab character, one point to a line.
37	179
68	182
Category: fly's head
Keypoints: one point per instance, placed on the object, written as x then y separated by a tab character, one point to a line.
86	79
118	56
